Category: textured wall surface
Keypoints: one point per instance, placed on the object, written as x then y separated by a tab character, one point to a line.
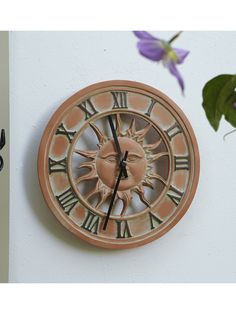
48	67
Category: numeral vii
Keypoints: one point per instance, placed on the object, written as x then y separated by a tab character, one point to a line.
120	100
91	222
88	108
67	200
57	165
123	230
175	195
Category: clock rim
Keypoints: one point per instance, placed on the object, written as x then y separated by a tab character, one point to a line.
41	165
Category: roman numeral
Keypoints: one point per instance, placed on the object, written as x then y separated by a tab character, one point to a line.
173	130
88	108
67	200
91	222
181	162
120	100
175	195
62	131
152	103
57	165
154	220
123	230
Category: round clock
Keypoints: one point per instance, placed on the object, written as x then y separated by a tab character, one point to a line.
118	164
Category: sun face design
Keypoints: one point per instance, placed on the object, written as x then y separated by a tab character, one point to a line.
103	165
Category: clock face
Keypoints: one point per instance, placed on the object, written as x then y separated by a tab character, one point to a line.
118	164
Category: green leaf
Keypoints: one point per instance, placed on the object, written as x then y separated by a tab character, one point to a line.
230	111
218	99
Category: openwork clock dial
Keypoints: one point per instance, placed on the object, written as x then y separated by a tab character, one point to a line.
80	160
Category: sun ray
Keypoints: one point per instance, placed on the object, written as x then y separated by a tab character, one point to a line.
139	135
140	191
131	130
155	157
92	174
100	136
125	197
101	191
148	183
118	124
151	147
86	153
157	177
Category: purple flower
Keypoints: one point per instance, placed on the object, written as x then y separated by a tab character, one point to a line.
234	105
157	49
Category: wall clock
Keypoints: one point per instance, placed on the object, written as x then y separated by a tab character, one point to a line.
118	164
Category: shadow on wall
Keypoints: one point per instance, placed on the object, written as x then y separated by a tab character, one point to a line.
35	196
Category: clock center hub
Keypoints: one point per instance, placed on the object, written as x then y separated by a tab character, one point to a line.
108	161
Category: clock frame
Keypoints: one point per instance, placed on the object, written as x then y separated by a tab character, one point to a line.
131	103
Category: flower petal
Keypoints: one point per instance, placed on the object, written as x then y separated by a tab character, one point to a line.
151	49
144	35
173	70
181	54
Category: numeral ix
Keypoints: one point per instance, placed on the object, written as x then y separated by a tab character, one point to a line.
57	165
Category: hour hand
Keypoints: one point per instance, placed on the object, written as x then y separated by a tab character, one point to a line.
117	145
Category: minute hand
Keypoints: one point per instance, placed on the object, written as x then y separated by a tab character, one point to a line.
122	165
117	145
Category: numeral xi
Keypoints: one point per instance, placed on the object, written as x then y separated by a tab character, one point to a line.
88	108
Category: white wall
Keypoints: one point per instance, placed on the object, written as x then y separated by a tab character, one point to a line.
46	68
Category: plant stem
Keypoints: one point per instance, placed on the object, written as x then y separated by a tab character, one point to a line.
228	134
174	37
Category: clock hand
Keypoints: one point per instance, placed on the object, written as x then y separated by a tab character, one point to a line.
122	166
117	145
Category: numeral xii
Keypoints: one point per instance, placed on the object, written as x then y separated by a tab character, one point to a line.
119	100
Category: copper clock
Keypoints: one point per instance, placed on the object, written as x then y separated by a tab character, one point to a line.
118	164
